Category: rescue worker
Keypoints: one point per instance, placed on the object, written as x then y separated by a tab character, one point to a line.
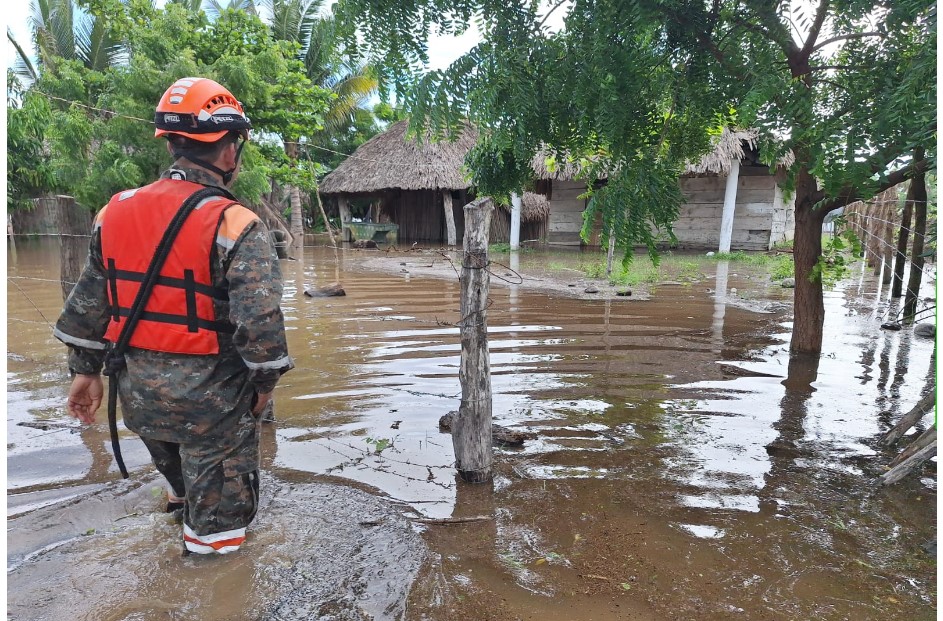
210	346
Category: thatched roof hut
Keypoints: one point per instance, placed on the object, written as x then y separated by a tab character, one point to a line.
393	161
422	187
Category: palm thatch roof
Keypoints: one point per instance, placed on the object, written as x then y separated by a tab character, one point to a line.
392	161
727	147
534	207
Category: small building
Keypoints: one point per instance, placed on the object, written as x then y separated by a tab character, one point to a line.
422	188
762	217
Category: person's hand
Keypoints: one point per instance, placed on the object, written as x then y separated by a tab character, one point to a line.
85	397
261	400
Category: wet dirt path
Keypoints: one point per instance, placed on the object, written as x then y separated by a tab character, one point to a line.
683	468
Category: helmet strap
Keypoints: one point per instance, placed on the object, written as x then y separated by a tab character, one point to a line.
227	175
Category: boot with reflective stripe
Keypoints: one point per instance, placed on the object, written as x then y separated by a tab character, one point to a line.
220	543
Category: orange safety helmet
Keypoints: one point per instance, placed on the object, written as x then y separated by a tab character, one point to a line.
199	109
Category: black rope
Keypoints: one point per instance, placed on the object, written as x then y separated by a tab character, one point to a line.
114	359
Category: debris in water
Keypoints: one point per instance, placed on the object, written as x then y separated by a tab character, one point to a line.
330	291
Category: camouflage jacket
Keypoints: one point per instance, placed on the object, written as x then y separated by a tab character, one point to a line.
176	397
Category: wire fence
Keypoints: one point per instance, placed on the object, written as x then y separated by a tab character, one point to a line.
433	166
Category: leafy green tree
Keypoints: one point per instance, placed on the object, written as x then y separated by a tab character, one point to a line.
635	87
300	22
100	135
28	170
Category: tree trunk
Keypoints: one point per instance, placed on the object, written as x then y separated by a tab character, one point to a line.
902	242
911	418
808	306
919	185
294	200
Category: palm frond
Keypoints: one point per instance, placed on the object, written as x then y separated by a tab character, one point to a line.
352	92
60	26
293	20
95	46
193	6
23	67
213	8
319	54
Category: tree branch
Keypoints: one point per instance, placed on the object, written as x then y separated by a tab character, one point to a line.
552	9
775	30
850	194
854	35
820	14
826	67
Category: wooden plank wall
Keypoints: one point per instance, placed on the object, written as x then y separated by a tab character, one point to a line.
420	214
698	224
761	218
501	229
566	213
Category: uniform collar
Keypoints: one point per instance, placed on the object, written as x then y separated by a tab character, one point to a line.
193	174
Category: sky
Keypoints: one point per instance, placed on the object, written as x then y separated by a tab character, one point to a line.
443	50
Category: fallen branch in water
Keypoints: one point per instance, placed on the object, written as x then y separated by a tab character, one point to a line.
457	520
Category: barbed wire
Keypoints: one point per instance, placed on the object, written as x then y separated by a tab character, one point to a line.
82	105
898	225
113	113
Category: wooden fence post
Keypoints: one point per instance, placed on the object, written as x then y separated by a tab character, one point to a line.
912	295
903	239
471	432
74	224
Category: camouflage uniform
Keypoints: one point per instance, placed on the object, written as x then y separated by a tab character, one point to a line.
194	412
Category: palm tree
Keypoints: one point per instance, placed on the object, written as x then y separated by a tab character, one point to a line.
300	21
60	31
22	66
214	8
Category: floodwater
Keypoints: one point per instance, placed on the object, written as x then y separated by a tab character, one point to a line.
683	467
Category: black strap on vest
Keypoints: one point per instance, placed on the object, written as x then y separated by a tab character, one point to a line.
114	359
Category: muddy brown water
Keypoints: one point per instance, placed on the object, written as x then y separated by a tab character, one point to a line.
683	468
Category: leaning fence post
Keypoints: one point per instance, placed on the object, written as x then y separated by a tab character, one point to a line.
471	432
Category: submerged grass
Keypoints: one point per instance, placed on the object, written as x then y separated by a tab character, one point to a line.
685	269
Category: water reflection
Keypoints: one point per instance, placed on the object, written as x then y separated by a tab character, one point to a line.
720	304
602	383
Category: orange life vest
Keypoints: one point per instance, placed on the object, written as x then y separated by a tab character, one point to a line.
178	317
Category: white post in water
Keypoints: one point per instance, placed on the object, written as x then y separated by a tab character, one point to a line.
345	217
449	217
516	205
471	431
730	204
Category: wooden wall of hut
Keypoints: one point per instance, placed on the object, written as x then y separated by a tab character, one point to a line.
420	214
762	217
535	230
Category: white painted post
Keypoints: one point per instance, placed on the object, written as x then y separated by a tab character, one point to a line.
720	305
449	216
730	204
515	221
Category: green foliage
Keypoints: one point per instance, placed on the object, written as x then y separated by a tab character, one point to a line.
28	170
782	267
379	444
91	132
838	254
846	89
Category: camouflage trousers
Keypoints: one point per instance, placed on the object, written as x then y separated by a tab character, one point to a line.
219	477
